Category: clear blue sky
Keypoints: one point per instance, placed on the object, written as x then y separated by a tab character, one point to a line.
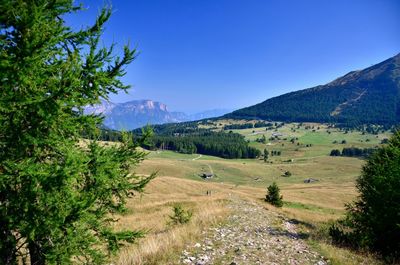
204	54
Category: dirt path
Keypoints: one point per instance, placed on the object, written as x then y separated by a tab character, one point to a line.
251	235
209	167
197	157
211	170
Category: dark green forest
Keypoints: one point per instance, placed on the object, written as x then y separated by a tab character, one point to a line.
248	125
225	145
187	138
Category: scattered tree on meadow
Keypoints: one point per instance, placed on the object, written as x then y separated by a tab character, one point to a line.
287	174
373	221
57	194
385	141
273	196
335	152
266	154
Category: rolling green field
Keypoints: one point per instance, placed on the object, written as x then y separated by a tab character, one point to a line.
307	156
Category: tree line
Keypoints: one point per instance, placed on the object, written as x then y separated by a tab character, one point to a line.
194	140
353	152
248	125
225	145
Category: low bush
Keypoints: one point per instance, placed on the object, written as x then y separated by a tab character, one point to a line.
180	215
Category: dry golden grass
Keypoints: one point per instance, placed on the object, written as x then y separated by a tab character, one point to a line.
163	243
343	256
150	212
317	203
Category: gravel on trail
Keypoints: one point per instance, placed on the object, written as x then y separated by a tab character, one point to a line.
251	235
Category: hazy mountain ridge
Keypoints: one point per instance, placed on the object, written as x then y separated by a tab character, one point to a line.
207	114
138	113
371	95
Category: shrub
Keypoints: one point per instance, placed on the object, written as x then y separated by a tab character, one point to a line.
180	215
385	141
373	221
335	152
273	196
287	173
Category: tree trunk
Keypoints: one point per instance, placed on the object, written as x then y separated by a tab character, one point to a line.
35	253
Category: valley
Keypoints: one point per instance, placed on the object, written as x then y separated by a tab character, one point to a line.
307	157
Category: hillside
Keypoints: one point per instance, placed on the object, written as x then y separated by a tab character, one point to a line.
371	95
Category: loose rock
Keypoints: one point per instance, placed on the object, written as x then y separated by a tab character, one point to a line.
252	235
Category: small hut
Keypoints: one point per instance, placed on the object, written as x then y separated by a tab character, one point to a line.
207	175
310	180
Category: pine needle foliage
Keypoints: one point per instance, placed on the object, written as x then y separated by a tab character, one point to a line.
180	215
373	220
273	196
58	197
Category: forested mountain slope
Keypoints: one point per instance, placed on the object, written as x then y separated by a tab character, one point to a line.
371	95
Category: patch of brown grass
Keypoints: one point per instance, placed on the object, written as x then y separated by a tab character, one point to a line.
150	212
343	256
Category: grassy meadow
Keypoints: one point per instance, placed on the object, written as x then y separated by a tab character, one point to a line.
313	204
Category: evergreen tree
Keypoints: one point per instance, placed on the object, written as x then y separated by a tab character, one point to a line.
266	154
273	196
57	194
335	152
373	221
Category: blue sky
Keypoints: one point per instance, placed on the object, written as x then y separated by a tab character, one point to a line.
204	54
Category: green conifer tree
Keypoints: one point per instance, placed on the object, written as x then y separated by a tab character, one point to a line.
273	196
373	220
263	139
57	193
266	154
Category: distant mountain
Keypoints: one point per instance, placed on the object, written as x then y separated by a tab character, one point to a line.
134	114
104	108
138	113
207	114
371	95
